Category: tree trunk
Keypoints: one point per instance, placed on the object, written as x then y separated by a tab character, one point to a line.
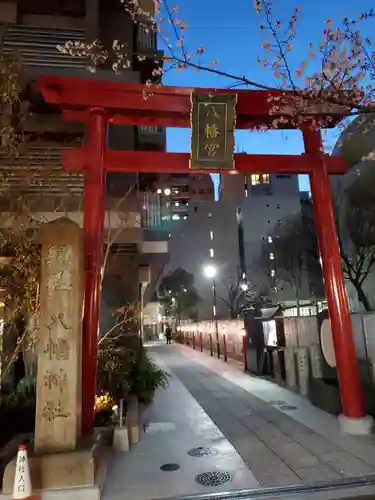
362	296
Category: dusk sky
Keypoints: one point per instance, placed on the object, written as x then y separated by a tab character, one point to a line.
232	36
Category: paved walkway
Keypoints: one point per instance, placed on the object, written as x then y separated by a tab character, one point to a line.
173	425
283	439
264	435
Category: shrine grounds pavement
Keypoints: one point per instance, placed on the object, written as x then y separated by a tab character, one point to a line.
265	435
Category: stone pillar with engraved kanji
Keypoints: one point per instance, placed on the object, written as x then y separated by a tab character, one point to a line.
58	406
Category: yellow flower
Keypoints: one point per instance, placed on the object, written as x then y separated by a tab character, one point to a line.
103	402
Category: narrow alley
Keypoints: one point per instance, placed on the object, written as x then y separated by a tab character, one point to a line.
260	434
276	446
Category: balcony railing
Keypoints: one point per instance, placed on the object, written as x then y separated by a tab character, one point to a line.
150	130
38	46
38	171
151	137
146	38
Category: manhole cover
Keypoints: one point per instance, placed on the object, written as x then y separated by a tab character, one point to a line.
277	403
169	467
213	478
202	452
287	407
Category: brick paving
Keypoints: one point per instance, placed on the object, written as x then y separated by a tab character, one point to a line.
279	450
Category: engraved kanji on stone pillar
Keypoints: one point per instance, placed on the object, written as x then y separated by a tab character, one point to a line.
58	406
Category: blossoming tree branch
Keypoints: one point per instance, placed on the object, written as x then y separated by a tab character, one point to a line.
335	78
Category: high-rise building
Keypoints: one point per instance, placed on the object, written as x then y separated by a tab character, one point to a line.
233	234
33	30
178	190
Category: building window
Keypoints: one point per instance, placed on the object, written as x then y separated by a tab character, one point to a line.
211	235
282	176
277	206
259	179
272	256
270	239
175	217
195	209
201	191
255	179
279	222
267	205
273	273
209	215
212	253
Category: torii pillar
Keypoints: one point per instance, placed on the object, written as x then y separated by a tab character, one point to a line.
93	224
353	418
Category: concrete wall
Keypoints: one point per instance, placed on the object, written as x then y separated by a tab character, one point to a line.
203	333
190	246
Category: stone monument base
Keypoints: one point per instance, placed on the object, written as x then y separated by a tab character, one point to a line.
80	473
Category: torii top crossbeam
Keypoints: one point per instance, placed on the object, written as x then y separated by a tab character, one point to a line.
166	106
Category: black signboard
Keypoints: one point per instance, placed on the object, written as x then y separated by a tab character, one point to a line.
213	120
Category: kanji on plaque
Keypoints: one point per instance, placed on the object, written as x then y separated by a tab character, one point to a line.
53	410
56	380
213	118
57	423
59	261
57	348
61	256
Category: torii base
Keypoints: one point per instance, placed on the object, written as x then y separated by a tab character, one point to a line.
356	426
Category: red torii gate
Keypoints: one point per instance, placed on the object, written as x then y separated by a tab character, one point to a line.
100	103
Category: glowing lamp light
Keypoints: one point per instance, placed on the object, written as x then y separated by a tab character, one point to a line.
210	271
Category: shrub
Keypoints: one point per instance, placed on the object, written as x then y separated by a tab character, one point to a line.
145	377
115	362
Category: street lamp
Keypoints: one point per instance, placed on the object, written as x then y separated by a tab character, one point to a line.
210	273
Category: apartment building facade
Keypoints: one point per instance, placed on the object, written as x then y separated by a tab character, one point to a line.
178	190
32	31
233	234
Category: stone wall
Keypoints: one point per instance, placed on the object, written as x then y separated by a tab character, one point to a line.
311	337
